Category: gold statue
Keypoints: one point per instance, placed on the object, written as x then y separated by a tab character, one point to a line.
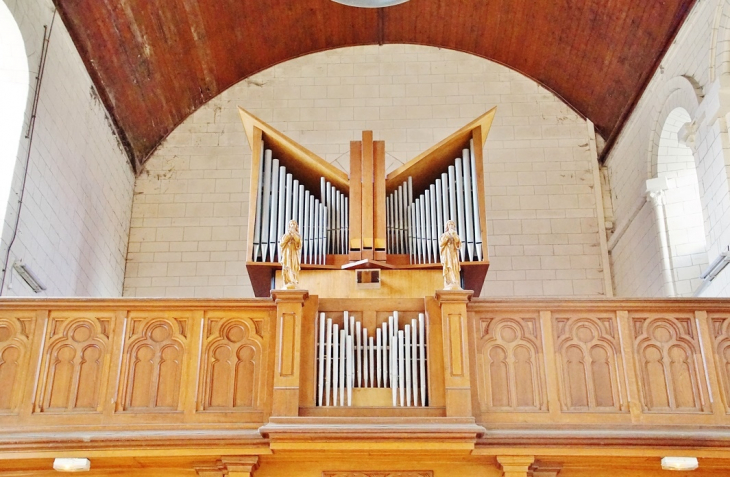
449	245
290	247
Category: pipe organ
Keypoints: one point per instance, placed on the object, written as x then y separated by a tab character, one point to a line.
280	198
367	219
336	207
415	225
350	358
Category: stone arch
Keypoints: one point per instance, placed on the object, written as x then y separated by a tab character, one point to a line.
679	92
683	208
720	48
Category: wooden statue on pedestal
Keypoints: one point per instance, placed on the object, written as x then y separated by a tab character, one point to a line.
449	245
291	247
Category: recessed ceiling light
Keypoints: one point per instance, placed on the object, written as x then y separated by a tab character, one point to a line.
66	464
679	463
370	3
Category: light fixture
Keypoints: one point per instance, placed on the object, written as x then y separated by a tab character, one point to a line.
370	3
716	266
28	276
679	463
68	464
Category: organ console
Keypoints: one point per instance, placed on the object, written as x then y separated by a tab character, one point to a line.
369	219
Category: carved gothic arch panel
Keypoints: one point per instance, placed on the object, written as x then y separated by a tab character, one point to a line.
510	369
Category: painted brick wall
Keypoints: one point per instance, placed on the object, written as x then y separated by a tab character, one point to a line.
74	223
689	76
190	205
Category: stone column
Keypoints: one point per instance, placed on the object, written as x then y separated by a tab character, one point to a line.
457	382
655	194
289	305
515	465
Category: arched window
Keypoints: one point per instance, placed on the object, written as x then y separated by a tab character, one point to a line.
14	87
685	223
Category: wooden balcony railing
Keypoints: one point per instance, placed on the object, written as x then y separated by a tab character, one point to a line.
601	366
222	369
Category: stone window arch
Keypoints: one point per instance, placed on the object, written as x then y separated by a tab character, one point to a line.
686	237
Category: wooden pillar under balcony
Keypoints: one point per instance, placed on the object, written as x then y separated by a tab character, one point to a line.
457	382
240	466
289	305
515	465
545	469
231	466
210	470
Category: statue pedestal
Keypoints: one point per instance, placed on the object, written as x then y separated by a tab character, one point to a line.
289	305
454	327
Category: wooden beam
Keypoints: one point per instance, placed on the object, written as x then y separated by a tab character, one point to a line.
379	199
367	194
294	156
480	136
355	200
257	144
427	166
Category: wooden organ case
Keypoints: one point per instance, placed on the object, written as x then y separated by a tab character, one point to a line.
369	219
378	351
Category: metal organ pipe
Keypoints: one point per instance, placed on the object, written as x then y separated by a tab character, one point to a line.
264	234
351	357
475	200
259	210
454	195
274	204
335	351
280	197
320	383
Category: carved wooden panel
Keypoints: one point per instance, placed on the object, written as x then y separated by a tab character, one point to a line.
75	362
232	365
154	352
669	364
720	329
15	333
380	473
589	363
510	370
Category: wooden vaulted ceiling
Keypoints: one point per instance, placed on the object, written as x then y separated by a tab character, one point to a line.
154	62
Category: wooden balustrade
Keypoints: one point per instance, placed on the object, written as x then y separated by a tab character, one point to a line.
104	365
609	364
121	363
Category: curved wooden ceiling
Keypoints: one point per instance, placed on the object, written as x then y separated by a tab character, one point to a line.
154	62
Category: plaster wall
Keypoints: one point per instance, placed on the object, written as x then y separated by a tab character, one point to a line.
74	221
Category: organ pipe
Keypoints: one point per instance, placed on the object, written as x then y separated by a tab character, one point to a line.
454	195
281	197
351	357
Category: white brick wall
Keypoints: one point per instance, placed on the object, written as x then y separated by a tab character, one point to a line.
14	83
190	205
689	77
75	217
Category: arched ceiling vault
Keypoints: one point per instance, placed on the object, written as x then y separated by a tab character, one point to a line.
154	62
